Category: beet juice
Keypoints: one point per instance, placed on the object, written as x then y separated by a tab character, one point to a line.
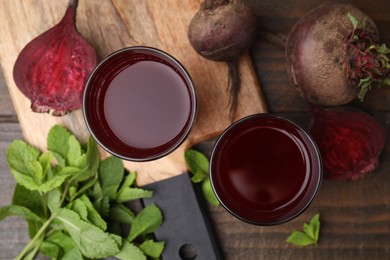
265	169
139	103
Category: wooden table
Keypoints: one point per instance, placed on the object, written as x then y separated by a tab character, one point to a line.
355	216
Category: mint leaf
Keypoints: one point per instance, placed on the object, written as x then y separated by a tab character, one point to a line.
299	238
127	194
310	234
130	251
198	165
80	208
93	160
315	226
68	247
147	221
152	248
91	240
57	140
209	193
308	231
50	249
29	199
92	215
15	210
75	156
122	214
111	172
54	200
19	154
45	160
129	180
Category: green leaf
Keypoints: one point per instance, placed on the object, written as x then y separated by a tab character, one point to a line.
209	193
152	248
93	160
308	231
54	200
315	226
15	210
127	194
147	221
197	162
130	251
31	184
19	154
50	249
67	245
309	236
75	156
299	238
60	161
73	254
199	177
79	207
86	186
36	170
122	214
103	206
29	199
91	240
353	20
111	172
129	180
93	216
45	160
57	140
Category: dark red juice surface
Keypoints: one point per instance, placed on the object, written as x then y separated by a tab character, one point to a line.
147	104
263	170
139	104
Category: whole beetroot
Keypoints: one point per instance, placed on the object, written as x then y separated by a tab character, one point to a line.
334	55
52	69
221	31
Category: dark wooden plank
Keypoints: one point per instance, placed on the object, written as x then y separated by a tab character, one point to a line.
7	111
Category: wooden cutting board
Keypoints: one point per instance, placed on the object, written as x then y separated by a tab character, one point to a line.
109	26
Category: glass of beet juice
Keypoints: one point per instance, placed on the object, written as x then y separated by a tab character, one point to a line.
265	169
139	103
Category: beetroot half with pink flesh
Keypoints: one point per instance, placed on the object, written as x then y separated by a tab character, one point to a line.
52	69
349	140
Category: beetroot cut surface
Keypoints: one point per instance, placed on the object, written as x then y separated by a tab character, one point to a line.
52	69
349	140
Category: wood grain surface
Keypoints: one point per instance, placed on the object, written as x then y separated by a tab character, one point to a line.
355	216
109	26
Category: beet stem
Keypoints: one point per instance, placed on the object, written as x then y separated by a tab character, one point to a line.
234	85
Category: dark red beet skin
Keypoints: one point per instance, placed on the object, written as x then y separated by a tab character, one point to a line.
349	140
52	69
318	58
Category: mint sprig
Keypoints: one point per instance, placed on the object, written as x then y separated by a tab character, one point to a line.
73	202
199	167
309	235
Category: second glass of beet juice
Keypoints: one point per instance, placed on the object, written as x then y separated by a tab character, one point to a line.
265	169
139	103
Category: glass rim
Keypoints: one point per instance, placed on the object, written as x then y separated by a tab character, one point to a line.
317	183
181	71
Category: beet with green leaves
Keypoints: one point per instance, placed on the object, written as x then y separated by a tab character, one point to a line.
334	55
221	31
